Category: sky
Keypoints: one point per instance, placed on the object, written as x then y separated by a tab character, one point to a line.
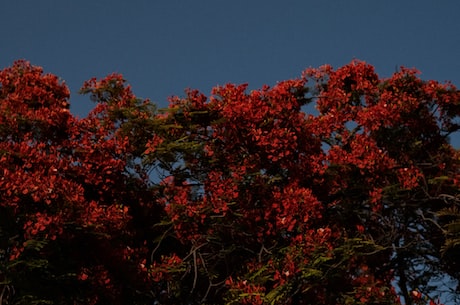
164	47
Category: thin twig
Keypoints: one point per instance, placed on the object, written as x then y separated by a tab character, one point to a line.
195	267
1	295
158	245
263	249
209	289
420	213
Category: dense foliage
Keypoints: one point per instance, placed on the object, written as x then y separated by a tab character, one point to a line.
237	198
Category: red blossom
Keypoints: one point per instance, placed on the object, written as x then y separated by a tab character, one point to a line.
240	197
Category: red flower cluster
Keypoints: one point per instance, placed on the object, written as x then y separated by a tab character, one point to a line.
241	197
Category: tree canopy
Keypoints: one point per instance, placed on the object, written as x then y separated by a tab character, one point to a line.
338	187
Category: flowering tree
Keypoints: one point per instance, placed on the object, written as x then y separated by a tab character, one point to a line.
69	191
237	198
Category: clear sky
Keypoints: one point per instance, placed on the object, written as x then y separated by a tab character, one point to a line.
163	47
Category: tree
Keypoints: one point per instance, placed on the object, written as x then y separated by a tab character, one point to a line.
69	192
237	198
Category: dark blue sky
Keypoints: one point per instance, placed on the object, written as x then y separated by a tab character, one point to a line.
163	47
